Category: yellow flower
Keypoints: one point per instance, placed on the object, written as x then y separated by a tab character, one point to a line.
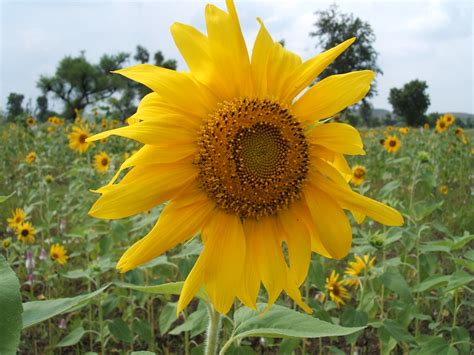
26	232
449	119
30	121
51	129
6	243
18	217
444	189
115	123
403	130
356	267
102	162
392	144
77	139
103	123
244	160
459	132
358	175
441	125
59	254
426	126
48	179
30	158
337	292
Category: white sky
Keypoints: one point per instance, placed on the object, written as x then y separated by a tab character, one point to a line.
428	40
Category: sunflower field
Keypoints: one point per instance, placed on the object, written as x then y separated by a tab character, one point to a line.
235	212
401	289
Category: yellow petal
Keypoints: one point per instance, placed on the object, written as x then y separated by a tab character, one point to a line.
260	54
305	73
192	284
152	132
195	49
353	201
225	245
281	63
332	95
143	188
293	291
228	50
338	137
298	239
270	265
180	220
177	88
250	285
330	221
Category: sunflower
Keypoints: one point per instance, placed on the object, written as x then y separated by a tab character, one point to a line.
30	121
403	130
459	132
6	243
355	268
392	144
448	118
78	139
30	158
102	162
26	232
18	217
244	161
103	123
337	292
358	175
58	253
441	125
426	126
444	189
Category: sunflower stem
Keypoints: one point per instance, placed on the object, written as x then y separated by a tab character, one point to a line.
212	337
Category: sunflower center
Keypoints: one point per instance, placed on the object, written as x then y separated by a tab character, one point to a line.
82	138
393	143
253	157
54	255
25	232
335	289
105	161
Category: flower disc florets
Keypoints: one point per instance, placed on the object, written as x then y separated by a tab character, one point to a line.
253	157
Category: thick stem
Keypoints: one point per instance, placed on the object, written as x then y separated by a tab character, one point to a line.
212	337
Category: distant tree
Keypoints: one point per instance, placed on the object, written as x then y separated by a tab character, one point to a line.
42	108
161	62
141	55
333	27
78	83
410	102
15	104
365	111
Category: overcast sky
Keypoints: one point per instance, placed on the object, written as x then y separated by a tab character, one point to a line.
426	40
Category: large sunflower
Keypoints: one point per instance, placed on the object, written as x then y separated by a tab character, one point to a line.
242	161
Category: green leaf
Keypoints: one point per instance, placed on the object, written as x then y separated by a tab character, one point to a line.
432	282
143	329
142	353
120	330
10	309
172	288
196	323
433	345
388	188
459	279
38	311
72	338
393	280
460	242
354	318
167	317
422	210
282	322
397	331
4	198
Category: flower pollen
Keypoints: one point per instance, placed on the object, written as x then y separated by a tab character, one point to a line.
253	157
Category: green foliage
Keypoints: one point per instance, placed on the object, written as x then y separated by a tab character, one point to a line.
333	27
14	104
410	102
10	309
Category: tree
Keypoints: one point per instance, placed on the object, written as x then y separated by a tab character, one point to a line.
333	28
79	83
141	55
15	104
42	108
161	62
410	102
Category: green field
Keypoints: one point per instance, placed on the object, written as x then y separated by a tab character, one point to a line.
416	296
